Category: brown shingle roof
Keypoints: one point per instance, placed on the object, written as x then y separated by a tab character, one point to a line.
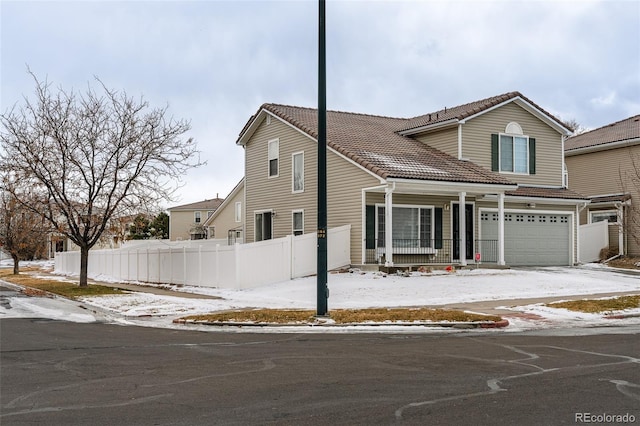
620	131
211	204
373	142
561	193
467	110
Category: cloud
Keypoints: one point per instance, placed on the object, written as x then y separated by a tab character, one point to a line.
216	62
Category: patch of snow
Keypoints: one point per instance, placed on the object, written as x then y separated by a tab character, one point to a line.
369	290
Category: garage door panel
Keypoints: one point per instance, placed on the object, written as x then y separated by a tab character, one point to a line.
531	239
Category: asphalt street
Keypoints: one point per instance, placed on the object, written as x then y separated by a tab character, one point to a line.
63	373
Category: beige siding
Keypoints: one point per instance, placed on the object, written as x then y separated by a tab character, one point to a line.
476	136
599	173
225	219
180	223
608	164
445	140
344	185
275	193
344	200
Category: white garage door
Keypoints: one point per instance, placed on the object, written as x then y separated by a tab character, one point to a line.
531	239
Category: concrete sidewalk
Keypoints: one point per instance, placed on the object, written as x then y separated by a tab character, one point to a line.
497	307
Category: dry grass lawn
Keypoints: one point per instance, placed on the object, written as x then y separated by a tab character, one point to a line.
343	316
600	305
37	286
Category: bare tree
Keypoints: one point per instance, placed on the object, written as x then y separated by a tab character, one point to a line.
630	183
575	126
94	156
23	233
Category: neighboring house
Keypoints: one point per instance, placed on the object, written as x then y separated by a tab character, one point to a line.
400	183
604	164
186	222
227	221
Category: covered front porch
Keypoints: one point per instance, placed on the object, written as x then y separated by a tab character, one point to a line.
410	223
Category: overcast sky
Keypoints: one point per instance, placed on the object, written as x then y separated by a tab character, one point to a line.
215	62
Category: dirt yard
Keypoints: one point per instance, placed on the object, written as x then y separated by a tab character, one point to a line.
626	262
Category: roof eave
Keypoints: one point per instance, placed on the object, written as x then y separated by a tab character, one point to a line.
250	129
455	186
430	127
602	147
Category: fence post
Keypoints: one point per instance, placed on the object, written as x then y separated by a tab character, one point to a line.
184	265
218	265
236	252
291	257
200	265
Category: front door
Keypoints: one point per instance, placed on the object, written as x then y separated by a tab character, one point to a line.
468	217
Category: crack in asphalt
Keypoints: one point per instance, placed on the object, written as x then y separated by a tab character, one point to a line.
624	387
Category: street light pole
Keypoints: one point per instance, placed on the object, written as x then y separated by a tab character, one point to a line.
322	289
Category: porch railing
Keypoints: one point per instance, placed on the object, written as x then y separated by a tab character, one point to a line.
422	251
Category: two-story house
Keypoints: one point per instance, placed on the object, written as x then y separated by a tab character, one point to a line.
604	164
482	178
186	222
228	220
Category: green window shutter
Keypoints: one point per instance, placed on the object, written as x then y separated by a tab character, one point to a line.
370	215
438	230
532	156
495	162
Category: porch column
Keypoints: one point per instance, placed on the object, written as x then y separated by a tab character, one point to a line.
462	228
501	229
388	225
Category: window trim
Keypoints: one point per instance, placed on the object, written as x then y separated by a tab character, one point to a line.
604	212
293	222
432	221
238	212
513	137
293	172
197	217
255	228
276	157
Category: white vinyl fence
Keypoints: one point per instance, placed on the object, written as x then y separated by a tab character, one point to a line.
593	238
203	263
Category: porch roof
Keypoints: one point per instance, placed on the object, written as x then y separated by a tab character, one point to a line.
543	192
610	198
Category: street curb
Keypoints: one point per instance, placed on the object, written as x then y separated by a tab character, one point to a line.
457	325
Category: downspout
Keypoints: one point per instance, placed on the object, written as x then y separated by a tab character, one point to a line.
579	208
460	141
622	249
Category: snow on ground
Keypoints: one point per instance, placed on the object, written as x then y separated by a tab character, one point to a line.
364	290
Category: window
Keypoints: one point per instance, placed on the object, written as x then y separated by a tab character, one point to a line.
298	172
264	226
513	153
238	212
412	226
197	217
209	213
274	154
609	215
298	222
